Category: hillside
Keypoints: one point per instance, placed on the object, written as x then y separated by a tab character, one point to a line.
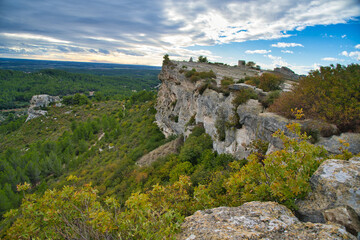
94	173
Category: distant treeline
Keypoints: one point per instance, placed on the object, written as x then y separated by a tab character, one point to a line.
18	87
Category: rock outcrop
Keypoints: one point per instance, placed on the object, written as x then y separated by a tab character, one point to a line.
336	183
256	220
39	101
181	104
162	151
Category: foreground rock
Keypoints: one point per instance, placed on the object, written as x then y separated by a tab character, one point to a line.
256	220
345	216
39	101
335	183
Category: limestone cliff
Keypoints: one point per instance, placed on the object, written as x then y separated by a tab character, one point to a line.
181	104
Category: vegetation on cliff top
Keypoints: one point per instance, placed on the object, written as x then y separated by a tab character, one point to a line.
330	93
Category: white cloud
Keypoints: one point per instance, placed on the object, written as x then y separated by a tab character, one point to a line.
148	29
343	36
331	59
262	51
284	45
357	46
277	61
355	55
287	51
27	36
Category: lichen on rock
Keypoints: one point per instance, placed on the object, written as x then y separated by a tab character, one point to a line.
256	220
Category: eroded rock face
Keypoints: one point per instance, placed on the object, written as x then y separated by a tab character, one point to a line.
335	183
256	220
179	100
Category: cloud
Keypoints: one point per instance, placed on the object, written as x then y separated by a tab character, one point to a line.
331	59
357	46
343	36
284	45
354	55
104	51
345	53
287	51
146	30
257	51
130	52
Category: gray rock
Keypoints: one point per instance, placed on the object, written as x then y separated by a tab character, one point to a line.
335	183
179	99
256	220
43	100
345	216
333	144
38	101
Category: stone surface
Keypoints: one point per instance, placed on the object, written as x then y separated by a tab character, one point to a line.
335	183
162	151
256	220
333	144
38	101
345	216
179	100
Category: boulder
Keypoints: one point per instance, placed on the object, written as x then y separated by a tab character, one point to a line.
38	101
256	220
43	100
335	183
345	216
333	144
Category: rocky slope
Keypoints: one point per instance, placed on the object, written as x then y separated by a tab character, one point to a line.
40	101
181	105
335	200
256	220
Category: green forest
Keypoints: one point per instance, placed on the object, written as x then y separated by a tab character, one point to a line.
73	174
18	87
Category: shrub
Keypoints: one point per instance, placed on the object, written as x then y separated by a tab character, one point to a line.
226	81
270	98
202	59
166	60
243	95
331	94
281	176
195	76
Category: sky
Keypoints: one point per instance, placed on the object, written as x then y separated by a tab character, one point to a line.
301	34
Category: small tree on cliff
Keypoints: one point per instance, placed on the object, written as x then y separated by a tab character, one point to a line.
166	60
202	59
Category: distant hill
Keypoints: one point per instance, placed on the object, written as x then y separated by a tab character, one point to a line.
28	65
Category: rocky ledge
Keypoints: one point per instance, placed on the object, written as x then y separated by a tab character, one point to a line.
335	199
256	220
181	105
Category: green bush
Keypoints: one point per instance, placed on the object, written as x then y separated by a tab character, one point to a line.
226	81
270	98
243	95
331	94
196	76
282	176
